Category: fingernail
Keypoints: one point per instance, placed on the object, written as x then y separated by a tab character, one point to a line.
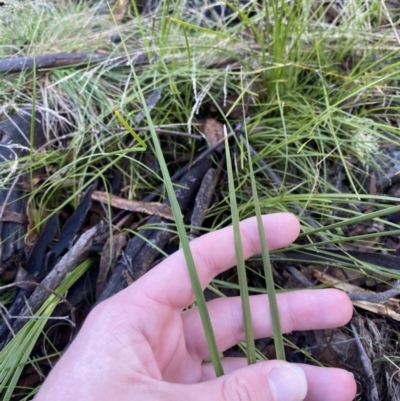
288	383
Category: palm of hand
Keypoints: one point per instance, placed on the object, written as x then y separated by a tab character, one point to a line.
159	346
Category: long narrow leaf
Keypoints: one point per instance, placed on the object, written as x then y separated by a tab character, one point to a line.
194	278
273	305
241	268
129	129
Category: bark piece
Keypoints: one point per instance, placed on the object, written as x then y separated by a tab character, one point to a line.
203	199
35	262
38	264
152	208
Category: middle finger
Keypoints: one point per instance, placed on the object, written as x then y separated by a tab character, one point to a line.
298	310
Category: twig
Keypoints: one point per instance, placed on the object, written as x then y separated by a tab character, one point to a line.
40	285
372	391
298	276
47	61
379	298
18	64
30	317
6	322
160	131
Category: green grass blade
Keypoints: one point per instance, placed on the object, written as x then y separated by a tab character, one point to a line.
273	305
129	129
356	220
194	278
241	268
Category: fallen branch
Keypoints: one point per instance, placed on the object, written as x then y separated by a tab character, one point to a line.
57	60
372	393
18	64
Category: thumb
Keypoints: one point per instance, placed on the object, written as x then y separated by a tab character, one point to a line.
265	381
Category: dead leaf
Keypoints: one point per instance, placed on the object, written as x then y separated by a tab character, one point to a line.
128	278
155	208
109	255
334	348
12	216
214	132
33	229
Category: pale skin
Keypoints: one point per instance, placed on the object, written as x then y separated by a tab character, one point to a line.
142	345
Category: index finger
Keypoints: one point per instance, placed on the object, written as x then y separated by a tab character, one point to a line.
169	282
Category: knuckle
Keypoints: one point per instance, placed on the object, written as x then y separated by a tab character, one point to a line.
237	388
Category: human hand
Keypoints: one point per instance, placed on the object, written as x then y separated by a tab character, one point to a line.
140	345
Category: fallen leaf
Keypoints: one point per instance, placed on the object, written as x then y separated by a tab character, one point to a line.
33	216
214	131
12	216
109	255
